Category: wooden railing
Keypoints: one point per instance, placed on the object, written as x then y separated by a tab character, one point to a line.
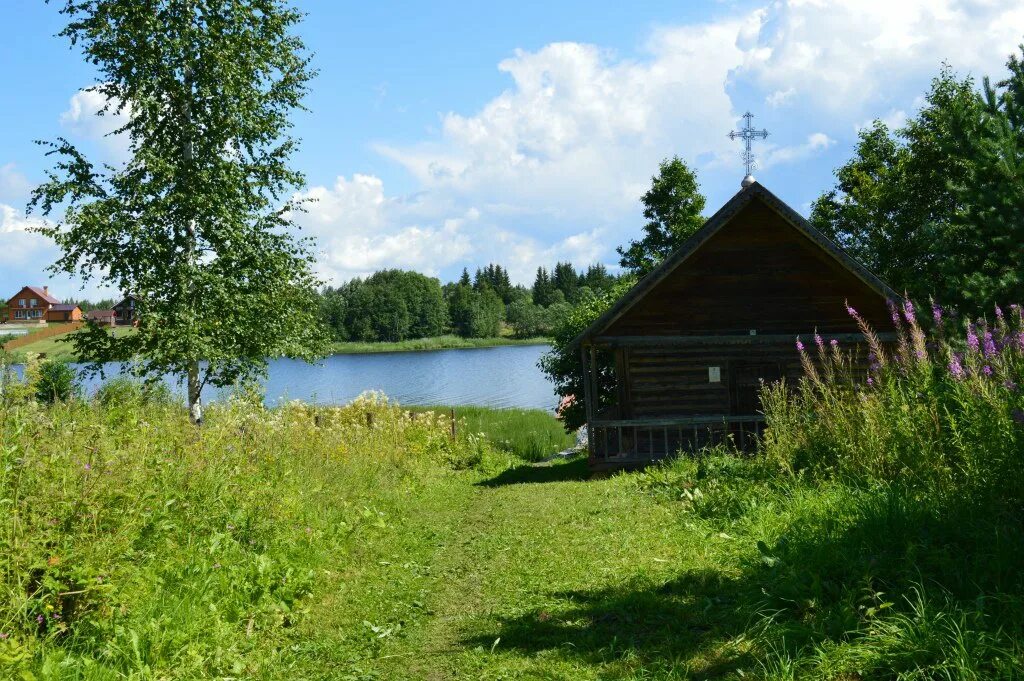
627	442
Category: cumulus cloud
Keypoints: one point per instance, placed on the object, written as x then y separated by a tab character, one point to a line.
20	246
570	144
359	229
847	55
85	117
580	119
13	185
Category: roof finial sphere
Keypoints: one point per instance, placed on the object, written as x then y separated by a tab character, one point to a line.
747	181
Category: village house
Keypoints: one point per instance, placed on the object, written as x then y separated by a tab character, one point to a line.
125	313
677	363
34	304
102	317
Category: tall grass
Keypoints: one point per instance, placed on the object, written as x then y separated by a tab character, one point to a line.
880	534
530	434
137	546
942	412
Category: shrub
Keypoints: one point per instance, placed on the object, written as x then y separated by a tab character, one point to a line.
124	390
55	381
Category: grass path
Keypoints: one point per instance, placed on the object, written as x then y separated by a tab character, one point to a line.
541	573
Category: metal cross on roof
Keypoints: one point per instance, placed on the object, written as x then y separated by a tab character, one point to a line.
748	134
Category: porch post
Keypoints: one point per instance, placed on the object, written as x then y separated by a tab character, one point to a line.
588	399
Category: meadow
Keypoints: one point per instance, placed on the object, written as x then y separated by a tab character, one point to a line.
877	535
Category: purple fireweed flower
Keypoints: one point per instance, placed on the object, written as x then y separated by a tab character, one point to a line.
894	313
1010	385
871	381
990	344
850	311
956	369
834	343
40	619
1018	415
819	341
987	370
972	337
799	345
55	616
908	311
999	313
937	314
88	466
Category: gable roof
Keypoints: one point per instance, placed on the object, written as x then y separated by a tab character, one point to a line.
40	293
713	225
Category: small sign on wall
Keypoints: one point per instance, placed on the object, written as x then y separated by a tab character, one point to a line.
714	374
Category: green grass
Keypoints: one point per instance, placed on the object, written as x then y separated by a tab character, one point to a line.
365	543
58	347
530	434
437	343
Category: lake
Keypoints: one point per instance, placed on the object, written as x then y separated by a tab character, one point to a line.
490	377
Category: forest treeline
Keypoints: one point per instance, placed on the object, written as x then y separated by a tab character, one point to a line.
396	305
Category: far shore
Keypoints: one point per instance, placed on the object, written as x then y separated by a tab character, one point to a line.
436	343
57	348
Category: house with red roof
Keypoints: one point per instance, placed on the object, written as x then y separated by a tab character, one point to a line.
35	304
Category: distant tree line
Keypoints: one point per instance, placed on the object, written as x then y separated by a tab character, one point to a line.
396	305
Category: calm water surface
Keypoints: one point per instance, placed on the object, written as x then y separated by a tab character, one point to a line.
490	377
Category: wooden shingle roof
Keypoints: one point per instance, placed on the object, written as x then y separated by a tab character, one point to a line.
711	227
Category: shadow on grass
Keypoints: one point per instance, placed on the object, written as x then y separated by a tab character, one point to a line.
556	471
814	585
689	616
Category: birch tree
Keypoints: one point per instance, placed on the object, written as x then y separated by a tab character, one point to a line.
197	223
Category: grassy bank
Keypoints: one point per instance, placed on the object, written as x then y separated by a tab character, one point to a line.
57	348
529	434
437	343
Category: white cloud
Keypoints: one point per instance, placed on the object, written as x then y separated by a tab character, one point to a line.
847	55
579	120
20	247
359	230
815	143
572	141
85	116
13	185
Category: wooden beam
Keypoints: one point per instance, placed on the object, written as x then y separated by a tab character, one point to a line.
762	339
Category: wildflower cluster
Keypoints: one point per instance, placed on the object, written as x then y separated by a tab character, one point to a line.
941	405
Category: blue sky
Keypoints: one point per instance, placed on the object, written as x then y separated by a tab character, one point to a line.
445	135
